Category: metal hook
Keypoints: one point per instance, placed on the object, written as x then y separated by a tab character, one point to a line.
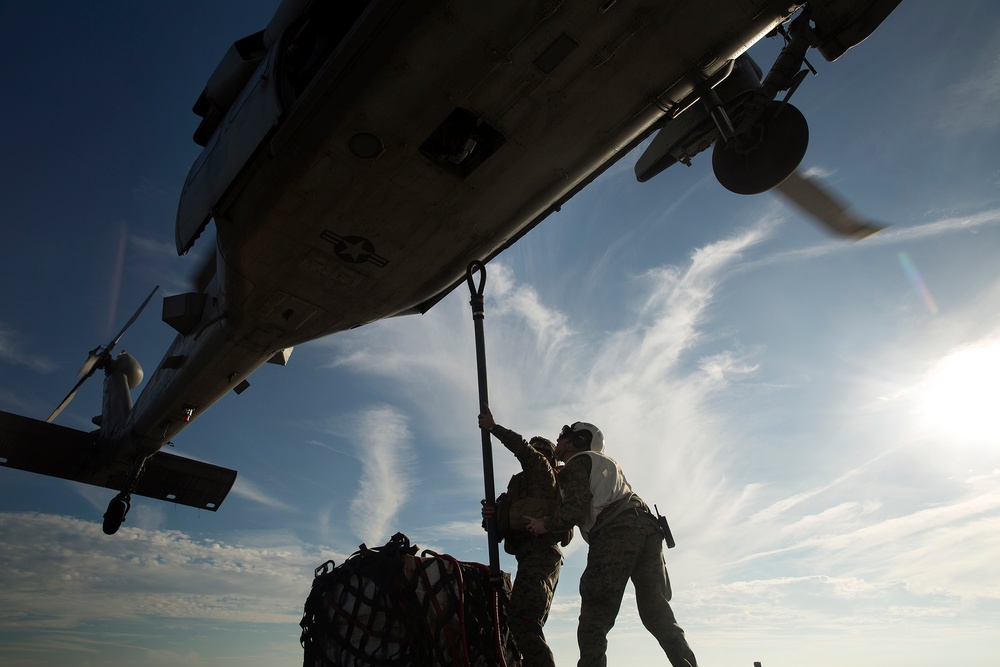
476	265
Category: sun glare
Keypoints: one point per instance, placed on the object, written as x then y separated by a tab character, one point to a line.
961	397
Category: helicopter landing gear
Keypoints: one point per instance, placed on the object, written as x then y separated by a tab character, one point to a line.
115	515
760	159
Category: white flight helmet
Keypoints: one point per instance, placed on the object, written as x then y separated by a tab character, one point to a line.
584	436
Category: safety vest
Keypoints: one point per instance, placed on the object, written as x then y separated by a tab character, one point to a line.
607	485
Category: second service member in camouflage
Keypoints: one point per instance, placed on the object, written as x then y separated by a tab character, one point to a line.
625	543
538	558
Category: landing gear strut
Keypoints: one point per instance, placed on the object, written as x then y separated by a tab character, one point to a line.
115	515
120	504
772	137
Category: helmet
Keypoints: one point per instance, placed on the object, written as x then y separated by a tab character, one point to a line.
584	436
543	445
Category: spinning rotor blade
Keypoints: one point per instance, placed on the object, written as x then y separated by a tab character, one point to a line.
117	338
810	196
71	394
88	366
95	357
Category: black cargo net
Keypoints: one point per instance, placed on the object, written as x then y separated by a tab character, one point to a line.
388	607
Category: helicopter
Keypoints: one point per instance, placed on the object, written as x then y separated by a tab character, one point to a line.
357	156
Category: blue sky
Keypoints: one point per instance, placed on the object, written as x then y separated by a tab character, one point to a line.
817	418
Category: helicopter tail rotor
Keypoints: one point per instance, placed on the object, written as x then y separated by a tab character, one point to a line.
99	357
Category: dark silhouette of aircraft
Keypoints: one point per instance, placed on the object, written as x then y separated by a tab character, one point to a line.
358	155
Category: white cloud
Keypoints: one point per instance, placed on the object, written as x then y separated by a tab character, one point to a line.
891	236
548	326
61	572
980	95
818	172
248	490
12	350
646	383
663	384
383	445
154	247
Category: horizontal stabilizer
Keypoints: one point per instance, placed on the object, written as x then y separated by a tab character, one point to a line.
46	449
49	449
185	481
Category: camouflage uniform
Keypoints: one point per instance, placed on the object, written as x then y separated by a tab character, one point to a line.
539	559
625	543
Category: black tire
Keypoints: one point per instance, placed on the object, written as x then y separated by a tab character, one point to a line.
115	515
780	141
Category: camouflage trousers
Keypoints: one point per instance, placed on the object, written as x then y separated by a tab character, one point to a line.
538	565
630	547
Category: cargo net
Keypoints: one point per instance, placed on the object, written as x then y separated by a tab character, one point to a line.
387	606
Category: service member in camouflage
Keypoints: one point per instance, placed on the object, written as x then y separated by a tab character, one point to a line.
625	543
539	558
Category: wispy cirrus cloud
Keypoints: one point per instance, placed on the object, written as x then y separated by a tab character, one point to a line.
384	446
251	491
980	90
889	236
664	383
646	382
13	351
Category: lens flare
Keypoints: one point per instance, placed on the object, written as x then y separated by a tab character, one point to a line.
918	282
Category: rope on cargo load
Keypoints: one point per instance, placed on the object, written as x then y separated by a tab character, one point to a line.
494	597
386	607
461	598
